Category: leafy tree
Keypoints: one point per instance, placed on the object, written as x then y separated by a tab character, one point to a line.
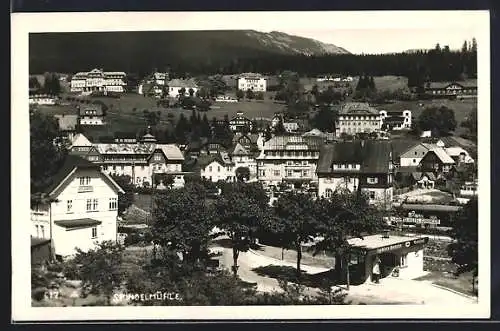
315	91
51	84
325	119
191	92
259	95
100	269
163	178
250	94
46	150
439	120
126	199
371	83
471	123
295	221
240	94
342	216
240	214
182	92
34	83
183	222
242	174
205	127
463	251
279	129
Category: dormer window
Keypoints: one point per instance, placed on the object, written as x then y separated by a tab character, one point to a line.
372	180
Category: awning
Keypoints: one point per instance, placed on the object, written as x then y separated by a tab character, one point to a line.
78	223
38	241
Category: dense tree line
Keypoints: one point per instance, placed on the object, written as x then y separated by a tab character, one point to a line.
230	54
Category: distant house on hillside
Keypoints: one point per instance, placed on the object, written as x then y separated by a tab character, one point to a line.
395	120
240	123
42	99
153	85
175	85
459	89
91	114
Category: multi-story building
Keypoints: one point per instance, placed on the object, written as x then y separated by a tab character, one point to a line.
357	117
42	99
395	119
217	167
243	157
91	114
289	159
67	125
413	156
98	80
154	84
251	81
83	211
357	165
141	160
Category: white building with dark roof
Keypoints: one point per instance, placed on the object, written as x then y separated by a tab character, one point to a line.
176	85
83	209
98	80
252	81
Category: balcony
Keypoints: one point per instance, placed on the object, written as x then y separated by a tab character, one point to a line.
85	188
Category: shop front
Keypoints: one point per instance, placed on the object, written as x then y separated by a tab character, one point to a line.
397	256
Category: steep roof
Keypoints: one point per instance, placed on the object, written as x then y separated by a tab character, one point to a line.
67	122
81	141
96	109
240	150
70	163
441	154
374	156
171	151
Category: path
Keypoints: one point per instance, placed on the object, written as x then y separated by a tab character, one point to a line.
389	291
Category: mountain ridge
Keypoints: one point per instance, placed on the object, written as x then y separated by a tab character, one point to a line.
144	50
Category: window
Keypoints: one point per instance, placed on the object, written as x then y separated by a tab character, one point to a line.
114	167
105	167
42	230
95	204
414	161
210	168
113	203
85	180
289	173
94	232
403	260
415	153
218	168
37	231
328	193
371	195
89	205
69	206
157	157
276	173
372	180
305	173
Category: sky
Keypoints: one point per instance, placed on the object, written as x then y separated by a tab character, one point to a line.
375	41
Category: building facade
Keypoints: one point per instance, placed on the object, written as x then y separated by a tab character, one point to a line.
217	168
357	165
176	85
395	120
254	82
140	161
84	212
289	159
91	114
464	89
413	156
98	80
357	117
240	123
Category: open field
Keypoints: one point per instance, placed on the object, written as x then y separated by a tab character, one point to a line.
382	83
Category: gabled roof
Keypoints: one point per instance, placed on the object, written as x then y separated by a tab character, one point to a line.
240	150
67	122
455	151
292	143
440	85
360	108
425	146
84	109
314	133
441	154
71	164
374	156
205	160
81	141
171	151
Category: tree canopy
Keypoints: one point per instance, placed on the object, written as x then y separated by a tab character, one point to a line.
441	121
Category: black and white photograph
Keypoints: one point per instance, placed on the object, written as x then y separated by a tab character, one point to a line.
250	165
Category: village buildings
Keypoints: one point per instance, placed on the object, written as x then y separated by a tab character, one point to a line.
395	119
67	125
98	80
240	123
175	86
464	89
81	208
140	160
91	114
